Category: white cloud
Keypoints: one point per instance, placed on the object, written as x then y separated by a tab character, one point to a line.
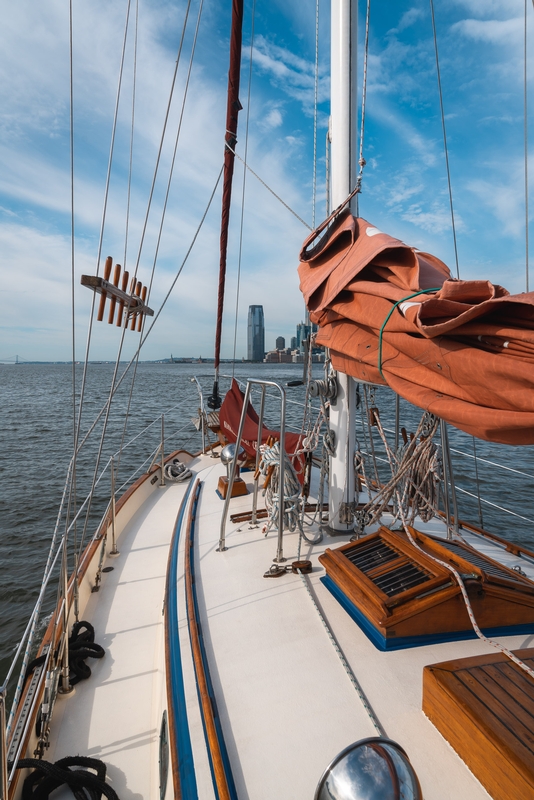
408	19
508	31
273	119
436	219
293	74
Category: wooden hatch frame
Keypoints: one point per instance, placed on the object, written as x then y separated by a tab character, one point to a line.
432	609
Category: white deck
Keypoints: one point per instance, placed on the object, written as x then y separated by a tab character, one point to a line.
285	701
115	714
287	704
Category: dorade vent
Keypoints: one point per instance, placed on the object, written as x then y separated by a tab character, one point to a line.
401	596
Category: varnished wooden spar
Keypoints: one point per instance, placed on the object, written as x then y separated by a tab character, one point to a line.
134	301
224	791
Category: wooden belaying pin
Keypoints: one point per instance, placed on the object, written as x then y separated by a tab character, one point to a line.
137	294
107	273
125	276
113	301
143	299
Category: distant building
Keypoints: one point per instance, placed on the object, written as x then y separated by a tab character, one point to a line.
293	343
280	343
278	357
256	334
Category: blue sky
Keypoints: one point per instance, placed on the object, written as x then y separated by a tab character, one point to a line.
404	191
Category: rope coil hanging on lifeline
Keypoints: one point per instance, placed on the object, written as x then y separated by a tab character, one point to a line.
269	466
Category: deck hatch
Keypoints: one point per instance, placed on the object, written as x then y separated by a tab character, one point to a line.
401	593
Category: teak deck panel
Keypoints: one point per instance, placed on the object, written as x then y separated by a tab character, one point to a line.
484	707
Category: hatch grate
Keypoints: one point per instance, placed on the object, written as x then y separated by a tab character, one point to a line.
480	561
367	557
401	579
398	578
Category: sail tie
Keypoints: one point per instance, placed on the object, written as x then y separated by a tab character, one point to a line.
392	309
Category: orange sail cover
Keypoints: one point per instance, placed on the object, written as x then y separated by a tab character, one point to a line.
392	315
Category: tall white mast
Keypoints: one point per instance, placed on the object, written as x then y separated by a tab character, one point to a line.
343	130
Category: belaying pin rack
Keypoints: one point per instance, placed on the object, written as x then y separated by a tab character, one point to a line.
131	303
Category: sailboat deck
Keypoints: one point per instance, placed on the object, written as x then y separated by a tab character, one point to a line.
114	715
284	700
275	669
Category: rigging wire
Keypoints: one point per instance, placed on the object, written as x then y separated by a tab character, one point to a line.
162	139
438	73
100	239
126	235
269	188
315	103
173	161
525	132
361	159
130	164
164	209
240	253
116	383
72	492
114	377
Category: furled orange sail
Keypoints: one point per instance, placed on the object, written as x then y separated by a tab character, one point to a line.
390	314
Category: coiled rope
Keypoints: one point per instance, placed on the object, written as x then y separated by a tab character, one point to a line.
48	777
416	471
270	466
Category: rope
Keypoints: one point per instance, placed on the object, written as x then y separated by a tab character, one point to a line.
271	190
392	309
47	777
425	444
445	138
415	469
453	571
270	465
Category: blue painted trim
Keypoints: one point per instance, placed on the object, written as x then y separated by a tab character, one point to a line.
205	664
186	766
402	642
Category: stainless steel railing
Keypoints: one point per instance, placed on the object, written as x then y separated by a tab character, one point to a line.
233	467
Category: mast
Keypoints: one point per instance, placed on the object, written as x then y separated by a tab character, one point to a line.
343	124
233	107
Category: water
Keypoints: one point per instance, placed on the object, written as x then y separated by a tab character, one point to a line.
37	436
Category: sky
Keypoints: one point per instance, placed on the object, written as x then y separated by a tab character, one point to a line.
404	187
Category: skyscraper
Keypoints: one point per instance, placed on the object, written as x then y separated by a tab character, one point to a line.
256	334
280	342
